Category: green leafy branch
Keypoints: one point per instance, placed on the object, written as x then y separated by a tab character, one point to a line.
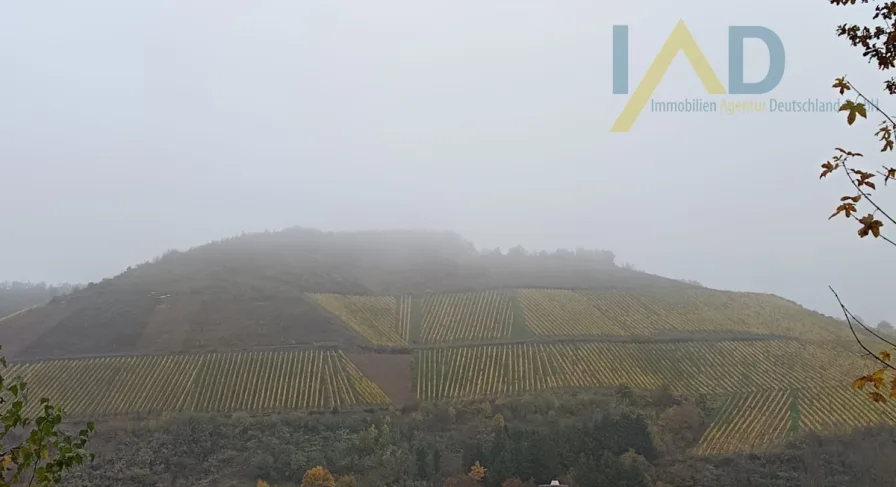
46	452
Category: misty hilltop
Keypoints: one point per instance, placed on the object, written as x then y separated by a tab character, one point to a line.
379	262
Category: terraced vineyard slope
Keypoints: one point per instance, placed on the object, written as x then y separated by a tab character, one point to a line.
546	315
268	321
313	379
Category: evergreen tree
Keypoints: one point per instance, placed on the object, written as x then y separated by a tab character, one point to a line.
436	461
421	456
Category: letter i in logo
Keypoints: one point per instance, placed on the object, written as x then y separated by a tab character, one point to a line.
620	59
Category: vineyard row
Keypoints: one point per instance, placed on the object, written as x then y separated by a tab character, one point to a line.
755	421
251	381
490	315
710	368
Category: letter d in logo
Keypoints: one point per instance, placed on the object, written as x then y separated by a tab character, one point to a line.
736	36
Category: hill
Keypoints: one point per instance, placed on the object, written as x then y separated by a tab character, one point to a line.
256	291
310	320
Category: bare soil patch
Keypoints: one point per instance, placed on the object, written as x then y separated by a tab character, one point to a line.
237	323
168	325
392	372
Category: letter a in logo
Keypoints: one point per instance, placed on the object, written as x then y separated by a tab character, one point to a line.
680	40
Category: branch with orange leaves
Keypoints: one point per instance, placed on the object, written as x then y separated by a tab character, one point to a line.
878	378
863	183
864	179
869	224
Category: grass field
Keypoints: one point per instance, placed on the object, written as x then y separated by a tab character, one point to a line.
255	381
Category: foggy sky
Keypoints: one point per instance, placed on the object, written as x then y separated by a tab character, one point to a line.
128	128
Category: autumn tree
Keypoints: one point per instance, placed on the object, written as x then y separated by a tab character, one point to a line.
477	472
498	421
45	452
678	428
638	463
347	481
863	184
318	476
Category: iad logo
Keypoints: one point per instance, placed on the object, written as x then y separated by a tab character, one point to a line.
682	40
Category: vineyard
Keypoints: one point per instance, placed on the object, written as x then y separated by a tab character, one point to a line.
377	318
749	422
649	312
446	318
466	317
840	409
754	421
564	313
767	389
405	313
770	388
252	381
709	368
794	378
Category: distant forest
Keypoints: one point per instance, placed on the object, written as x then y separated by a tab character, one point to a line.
608	438
592	255
369	262
16	295
445	244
